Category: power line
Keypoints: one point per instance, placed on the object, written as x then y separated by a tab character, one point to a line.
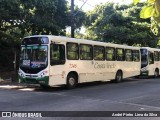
80	8
83	4
86	3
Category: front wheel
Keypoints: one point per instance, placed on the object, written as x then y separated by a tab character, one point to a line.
71	81
119	77
44	86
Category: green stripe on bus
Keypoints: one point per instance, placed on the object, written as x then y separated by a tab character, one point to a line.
145	73
43	80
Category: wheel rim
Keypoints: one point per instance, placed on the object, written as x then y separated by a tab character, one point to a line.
156	73
71	81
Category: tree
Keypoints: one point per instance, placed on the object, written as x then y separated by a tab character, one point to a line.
151	10
21	18
119	24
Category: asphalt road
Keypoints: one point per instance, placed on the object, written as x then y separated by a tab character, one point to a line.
130	95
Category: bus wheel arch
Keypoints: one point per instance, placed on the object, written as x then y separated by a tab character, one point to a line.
119	76
156	73
72	80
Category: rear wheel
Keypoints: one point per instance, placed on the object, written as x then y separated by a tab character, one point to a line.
71	81
156	73
119	76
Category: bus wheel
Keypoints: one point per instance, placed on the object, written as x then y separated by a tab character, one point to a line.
156	73
44	86
119	76
71	81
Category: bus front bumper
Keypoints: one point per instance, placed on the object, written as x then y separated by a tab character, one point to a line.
144	73
42	80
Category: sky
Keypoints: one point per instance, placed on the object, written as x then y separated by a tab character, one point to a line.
90	4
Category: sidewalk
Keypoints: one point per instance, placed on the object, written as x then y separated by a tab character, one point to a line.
9	84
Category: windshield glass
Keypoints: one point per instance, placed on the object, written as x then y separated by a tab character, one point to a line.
144	58
33	57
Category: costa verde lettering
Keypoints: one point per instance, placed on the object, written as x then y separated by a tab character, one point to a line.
103	66
99	66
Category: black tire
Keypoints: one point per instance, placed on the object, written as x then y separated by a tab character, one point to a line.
118	77
137	77
44	86
71	81
156	73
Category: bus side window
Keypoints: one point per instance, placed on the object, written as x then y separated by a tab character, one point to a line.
57	54
110	54
136	55
156	56
86	52
99	53
120	54
72	51
128	55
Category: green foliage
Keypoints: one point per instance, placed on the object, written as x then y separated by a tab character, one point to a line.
136	1
147	12
19	18
79	17
151	10
119	24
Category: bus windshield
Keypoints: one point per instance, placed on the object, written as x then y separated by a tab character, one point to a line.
144	58
34	57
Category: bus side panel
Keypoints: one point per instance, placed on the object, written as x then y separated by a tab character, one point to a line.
131	69
57	75
151	69
87	71
110	70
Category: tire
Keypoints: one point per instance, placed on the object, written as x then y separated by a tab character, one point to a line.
156	73
71	81
118	77
44	86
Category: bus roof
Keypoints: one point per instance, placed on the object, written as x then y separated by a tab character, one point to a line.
53	38
151	49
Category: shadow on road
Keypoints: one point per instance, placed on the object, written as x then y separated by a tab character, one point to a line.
37	88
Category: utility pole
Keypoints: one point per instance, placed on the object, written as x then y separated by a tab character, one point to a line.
72	18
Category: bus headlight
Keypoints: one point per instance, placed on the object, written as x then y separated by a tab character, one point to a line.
43	74
20	73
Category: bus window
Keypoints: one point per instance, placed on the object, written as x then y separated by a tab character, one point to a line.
86	52
128	55
99	53
57	54
156	56
120	54
136	56
110	54
72	51
151	58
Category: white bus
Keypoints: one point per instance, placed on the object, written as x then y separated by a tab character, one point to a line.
150	61
54	60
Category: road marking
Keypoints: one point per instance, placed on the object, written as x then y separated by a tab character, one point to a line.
111	101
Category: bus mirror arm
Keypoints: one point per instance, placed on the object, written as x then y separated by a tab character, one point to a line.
52	43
